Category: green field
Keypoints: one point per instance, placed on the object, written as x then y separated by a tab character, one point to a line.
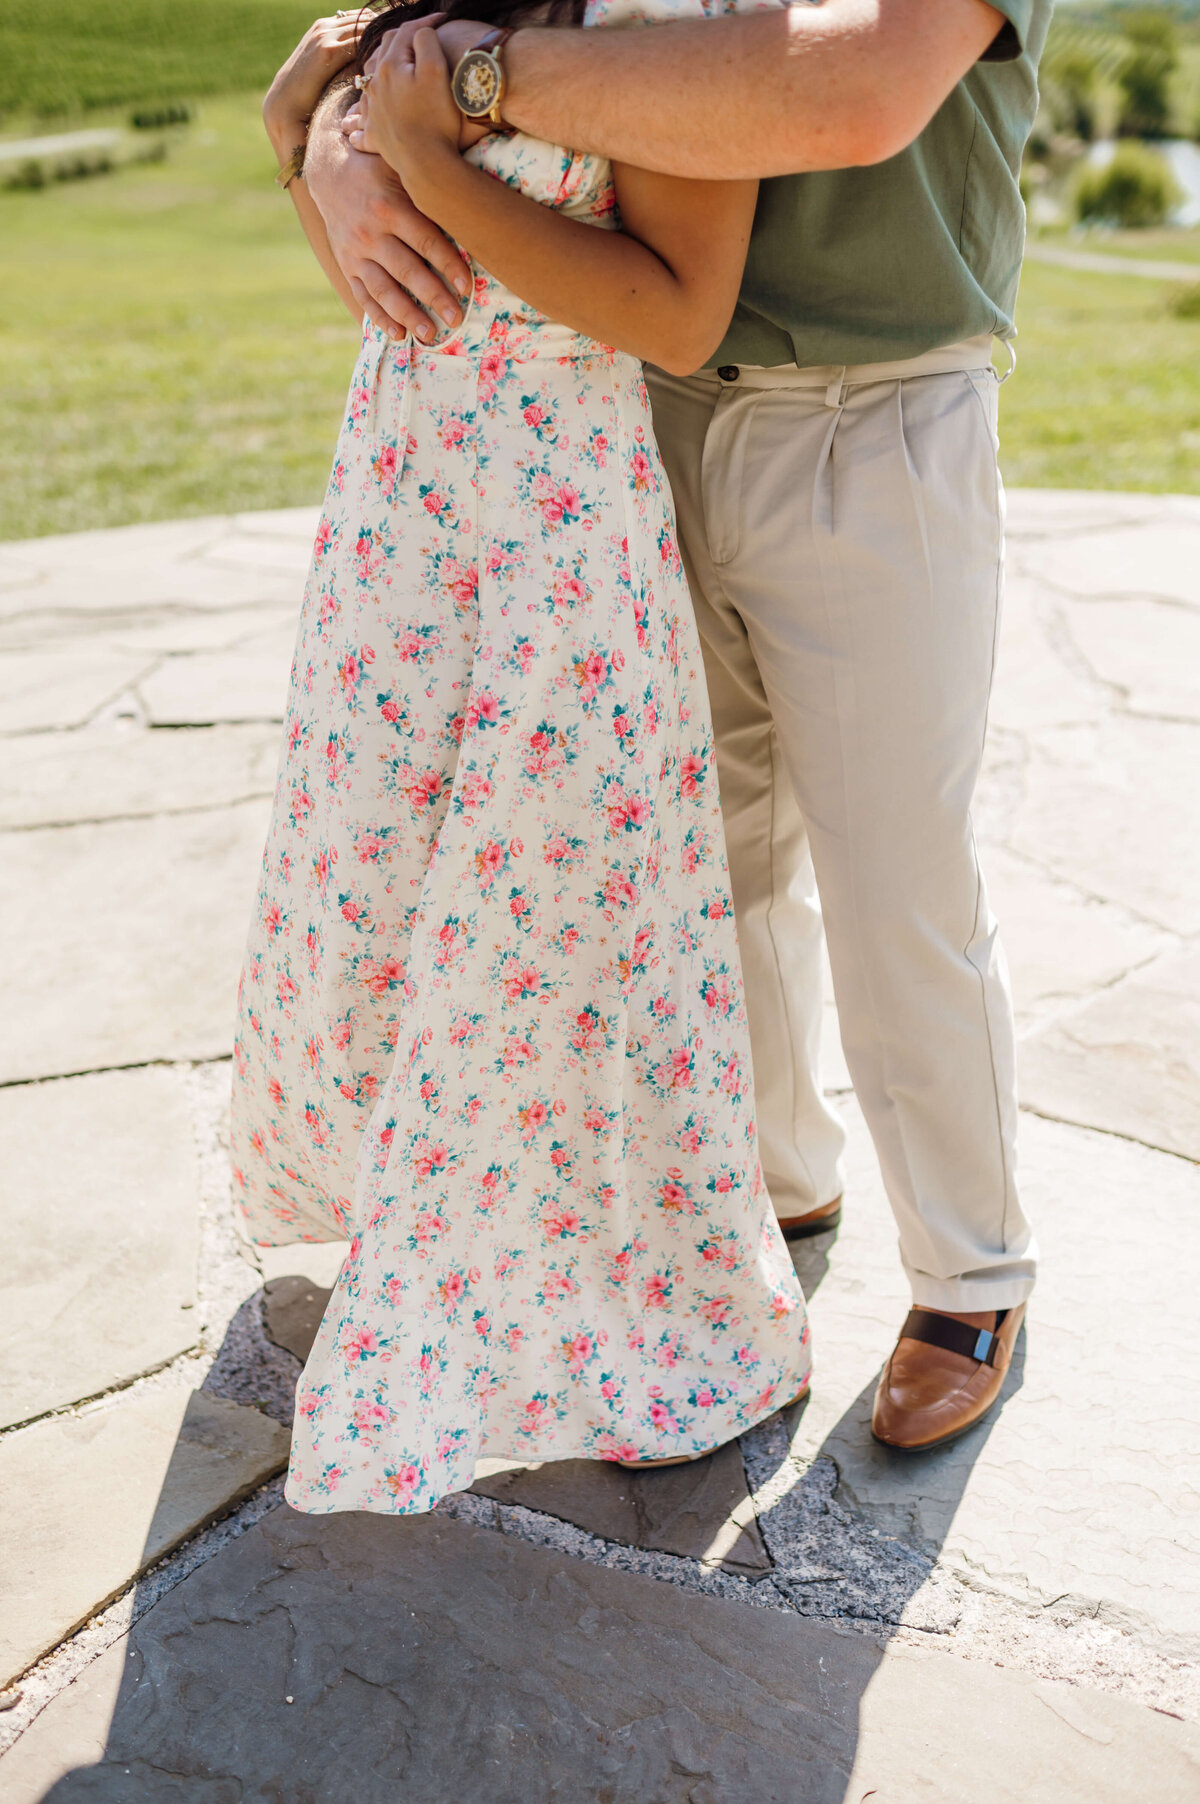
1169	244
168	346
167	343
80	54
1107	389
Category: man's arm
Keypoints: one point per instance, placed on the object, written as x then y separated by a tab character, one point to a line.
810	87
775	93
390	255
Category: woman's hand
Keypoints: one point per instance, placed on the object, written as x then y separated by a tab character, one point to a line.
400	40
407	114
325	49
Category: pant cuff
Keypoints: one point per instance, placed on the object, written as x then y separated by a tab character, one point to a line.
967	1294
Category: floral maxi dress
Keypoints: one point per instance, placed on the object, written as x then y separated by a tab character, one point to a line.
491	1021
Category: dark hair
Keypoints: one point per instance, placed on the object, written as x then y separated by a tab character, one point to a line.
491	12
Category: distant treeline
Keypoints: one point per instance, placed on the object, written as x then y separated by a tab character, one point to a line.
75	55
1132	70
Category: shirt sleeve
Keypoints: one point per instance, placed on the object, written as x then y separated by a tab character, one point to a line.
1009	42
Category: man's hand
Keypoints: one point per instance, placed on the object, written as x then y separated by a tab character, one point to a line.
401	269
409	118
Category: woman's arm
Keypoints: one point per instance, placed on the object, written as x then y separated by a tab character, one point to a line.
300	91
284	138
664	288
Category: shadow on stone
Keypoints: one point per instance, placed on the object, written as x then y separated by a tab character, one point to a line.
321	1658
316	1658
854	1533
811	1260
701	1511
292	1310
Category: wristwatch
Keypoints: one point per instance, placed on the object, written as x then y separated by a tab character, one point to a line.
478	80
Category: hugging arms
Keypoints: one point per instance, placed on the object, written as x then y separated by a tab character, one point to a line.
713	104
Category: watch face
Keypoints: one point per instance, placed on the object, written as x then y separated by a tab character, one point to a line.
476	83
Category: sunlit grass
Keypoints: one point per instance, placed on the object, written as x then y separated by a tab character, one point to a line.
78	54
167	343
168	346
1107	389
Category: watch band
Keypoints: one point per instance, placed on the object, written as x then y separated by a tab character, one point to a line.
292	168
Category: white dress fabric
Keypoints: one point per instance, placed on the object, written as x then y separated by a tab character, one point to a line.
491	1022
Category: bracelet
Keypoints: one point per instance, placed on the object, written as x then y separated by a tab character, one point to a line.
292	168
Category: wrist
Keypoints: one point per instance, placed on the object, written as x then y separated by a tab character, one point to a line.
431	175
286	129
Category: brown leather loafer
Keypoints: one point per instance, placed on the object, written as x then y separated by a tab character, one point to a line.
942	1378
816	1221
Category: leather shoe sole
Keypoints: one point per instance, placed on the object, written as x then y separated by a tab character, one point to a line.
941	1379
814	1221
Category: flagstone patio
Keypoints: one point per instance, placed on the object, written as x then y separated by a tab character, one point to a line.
806	1616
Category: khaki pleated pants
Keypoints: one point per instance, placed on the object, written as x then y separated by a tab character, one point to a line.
842	531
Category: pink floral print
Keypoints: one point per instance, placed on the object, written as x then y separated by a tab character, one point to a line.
491	1021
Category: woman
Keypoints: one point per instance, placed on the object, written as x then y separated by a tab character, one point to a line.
491	1017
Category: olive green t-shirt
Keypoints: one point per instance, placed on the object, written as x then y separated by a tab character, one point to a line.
868	265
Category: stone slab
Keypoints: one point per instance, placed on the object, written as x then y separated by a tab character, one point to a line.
146	631
99	1201
292	1311
355	1656
89	1501
1113	806
126	939
1148	651
1035	684
275	551
701	1511
40	690
279	523
15	572
1121	560
120	549
1035	514
203	688
1129	1062
1084	1486
320	1261
1061	946
185	587
104	772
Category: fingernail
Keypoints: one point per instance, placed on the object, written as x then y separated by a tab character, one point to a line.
463	285
425	333
449	313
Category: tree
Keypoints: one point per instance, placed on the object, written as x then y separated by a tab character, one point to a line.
1145	73
1074	75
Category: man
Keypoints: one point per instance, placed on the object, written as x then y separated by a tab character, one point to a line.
841	521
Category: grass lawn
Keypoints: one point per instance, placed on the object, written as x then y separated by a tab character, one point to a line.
1175	244
1107	389
79	54
169	347
167	343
